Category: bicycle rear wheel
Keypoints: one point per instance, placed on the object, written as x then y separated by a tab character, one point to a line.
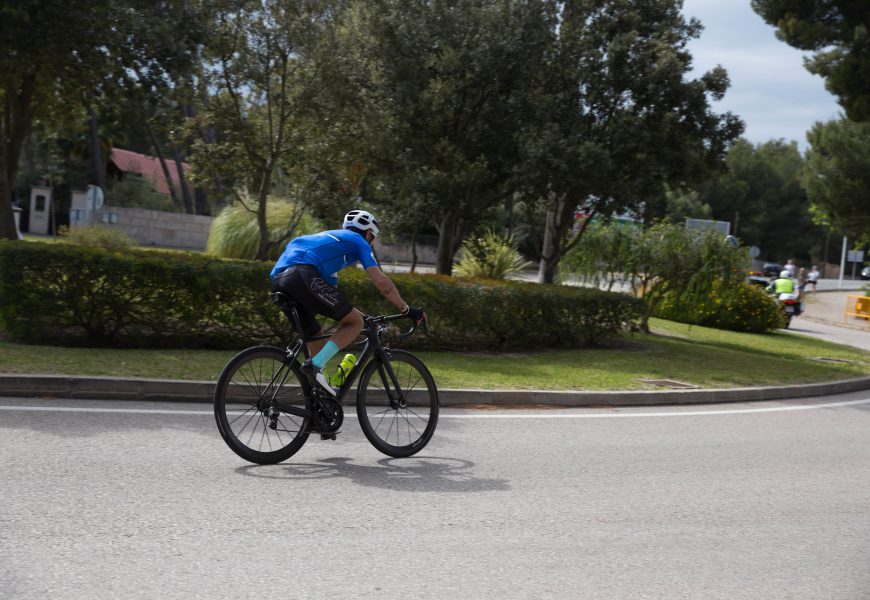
257	403
397	421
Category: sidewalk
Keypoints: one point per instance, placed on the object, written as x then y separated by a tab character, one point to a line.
823	318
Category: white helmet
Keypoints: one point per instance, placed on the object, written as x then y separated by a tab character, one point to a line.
362	220
785	274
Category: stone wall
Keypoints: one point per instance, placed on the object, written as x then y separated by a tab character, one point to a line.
156	228
401	253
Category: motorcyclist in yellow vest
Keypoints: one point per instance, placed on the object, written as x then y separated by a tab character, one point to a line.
783	285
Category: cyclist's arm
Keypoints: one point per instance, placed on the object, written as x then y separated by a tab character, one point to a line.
386	287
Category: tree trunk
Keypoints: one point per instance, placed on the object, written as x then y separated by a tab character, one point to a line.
7	217
446	236
262	201
96	154
17	116
551	250
163	165
414	251
185	191
200	201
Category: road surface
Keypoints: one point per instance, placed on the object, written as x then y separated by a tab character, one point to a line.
143	500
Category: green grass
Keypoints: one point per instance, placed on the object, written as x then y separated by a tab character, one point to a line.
697	355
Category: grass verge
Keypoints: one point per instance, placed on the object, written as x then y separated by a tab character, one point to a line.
695	355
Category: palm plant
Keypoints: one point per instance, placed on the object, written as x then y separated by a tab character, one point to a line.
234	232
491	256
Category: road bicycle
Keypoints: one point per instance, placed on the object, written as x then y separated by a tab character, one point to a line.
266	406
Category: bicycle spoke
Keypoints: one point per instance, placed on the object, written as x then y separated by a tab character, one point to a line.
261	382
386	416
253	407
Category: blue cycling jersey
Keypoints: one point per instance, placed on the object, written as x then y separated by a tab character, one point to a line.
328	251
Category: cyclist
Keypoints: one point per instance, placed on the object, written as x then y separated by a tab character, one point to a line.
307	272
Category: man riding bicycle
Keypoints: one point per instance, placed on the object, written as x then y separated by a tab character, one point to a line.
307	272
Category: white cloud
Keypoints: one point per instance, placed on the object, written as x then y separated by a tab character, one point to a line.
770	88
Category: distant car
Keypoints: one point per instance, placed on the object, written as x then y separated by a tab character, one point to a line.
865	273
761	282
771	269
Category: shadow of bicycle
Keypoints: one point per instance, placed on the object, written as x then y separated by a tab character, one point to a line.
415	474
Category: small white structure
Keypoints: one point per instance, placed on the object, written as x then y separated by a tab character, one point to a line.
40	210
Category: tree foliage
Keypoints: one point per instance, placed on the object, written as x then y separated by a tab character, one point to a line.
837	176
618	116
57	58
450	80
760	194
657	261
838	32
259	67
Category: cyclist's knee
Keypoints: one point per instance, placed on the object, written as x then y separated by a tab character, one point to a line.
353	319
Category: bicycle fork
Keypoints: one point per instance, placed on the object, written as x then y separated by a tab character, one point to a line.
388	376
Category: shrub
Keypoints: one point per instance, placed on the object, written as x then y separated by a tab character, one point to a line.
745	308
658	261
98	236
491	256
56	293
234	232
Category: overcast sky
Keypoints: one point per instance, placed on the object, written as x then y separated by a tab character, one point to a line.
770	88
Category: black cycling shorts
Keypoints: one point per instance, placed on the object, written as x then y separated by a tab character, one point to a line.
313	296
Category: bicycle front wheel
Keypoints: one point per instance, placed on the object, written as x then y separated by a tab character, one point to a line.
397	404
257	403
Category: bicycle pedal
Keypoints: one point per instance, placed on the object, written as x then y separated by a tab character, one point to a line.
328	436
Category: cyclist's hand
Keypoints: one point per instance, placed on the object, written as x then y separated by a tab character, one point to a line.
416	315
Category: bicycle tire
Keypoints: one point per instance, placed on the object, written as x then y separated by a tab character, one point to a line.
243	392
380	420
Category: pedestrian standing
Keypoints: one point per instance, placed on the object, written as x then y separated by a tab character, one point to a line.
790	267
813	277
802	283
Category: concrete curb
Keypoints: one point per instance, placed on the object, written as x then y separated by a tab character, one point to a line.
107	388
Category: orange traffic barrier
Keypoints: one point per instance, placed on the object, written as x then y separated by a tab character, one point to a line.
858	307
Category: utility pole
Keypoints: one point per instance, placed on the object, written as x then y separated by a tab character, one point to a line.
842	261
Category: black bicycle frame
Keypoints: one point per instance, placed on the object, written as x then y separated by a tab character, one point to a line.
371	347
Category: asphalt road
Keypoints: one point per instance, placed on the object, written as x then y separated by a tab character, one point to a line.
759	501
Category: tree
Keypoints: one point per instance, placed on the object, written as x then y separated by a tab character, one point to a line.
617	117
837	176
51	74
761	196
450	80
838	32
258	54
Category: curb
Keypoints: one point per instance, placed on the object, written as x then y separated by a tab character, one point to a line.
107	388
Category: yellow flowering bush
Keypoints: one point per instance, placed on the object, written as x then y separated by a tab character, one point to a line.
743	307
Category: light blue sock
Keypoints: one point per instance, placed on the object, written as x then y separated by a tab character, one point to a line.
327	352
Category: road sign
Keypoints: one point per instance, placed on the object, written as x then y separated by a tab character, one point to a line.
754	251
94	197
856	256
723	226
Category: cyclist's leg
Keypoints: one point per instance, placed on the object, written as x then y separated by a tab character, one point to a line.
292	284
327	300
349	328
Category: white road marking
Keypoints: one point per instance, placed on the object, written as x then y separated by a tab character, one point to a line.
507	415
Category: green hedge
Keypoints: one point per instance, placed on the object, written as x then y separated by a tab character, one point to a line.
64	294
746	308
